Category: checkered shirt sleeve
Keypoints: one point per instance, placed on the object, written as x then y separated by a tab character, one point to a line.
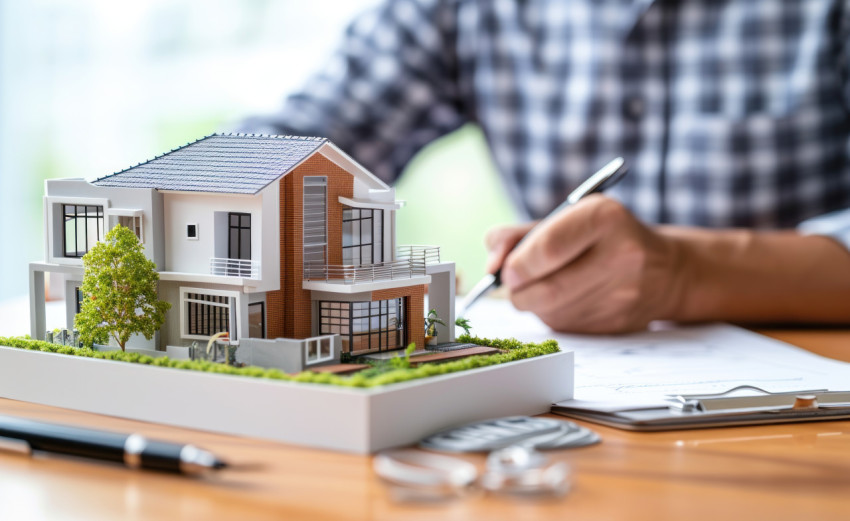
390	88
729	113
834	224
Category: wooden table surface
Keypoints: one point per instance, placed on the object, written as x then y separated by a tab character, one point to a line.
799	471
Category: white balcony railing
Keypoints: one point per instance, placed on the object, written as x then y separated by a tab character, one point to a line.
234	268
401	269
426	254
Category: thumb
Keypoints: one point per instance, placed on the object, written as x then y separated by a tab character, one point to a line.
500	241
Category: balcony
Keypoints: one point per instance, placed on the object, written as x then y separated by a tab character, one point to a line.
247	269
425	254
367	273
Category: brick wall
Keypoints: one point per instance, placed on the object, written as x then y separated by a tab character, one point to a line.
290	312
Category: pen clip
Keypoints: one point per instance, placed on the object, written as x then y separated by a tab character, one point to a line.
15	445
606	177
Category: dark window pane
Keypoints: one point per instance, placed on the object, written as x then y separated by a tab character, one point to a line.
245	244
234	244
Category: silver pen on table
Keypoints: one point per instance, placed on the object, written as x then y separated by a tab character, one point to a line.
604	178
25	436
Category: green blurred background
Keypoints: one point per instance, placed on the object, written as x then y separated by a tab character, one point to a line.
89	87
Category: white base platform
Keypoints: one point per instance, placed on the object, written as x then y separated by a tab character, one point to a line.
322	416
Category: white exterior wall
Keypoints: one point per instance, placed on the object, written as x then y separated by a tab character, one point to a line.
79	191
184	255
181	209
269	238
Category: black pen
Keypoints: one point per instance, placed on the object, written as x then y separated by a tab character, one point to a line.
133	450
604	178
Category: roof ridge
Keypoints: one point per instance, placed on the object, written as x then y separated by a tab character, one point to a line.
275	136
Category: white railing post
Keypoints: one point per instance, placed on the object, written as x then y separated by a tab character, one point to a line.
412	265
234	268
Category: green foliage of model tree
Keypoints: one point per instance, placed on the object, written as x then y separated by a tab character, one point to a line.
463	323
119	291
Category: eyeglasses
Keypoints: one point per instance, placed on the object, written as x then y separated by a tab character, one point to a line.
420	476
514	464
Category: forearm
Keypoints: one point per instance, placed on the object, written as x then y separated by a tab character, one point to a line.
748	276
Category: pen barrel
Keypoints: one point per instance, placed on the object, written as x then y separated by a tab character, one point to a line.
497	278
160	455
61	439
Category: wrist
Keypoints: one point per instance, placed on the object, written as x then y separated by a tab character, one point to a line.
749	276
701	286
682	275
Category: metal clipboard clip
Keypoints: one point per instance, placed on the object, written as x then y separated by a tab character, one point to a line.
699	411
783	403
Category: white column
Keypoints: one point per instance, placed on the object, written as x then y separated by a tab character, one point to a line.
37	321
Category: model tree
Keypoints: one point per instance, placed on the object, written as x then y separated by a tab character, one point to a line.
463	323
119	291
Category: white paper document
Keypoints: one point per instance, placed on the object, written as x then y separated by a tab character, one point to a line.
626	371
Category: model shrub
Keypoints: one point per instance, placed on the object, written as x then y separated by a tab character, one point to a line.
513	350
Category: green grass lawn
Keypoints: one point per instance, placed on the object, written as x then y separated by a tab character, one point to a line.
397	370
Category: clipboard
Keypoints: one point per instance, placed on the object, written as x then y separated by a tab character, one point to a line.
721	410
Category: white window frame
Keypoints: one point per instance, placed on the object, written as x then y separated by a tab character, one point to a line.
135	214
51	202
234	305
317	341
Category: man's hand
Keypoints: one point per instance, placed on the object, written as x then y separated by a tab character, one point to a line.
593	268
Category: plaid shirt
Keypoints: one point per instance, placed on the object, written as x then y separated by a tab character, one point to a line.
730	113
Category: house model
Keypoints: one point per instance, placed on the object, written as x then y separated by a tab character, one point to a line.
276	239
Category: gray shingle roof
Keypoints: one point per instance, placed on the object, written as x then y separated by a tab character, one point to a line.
223	163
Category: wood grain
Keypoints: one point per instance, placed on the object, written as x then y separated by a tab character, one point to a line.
773	472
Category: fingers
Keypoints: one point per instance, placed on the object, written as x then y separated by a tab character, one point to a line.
500	241
559	292
590	296
595	269
561	239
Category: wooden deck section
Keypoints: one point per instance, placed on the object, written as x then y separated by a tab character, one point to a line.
340	368
447	356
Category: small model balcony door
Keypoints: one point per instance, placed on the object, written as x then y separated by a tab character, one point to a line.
239	244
